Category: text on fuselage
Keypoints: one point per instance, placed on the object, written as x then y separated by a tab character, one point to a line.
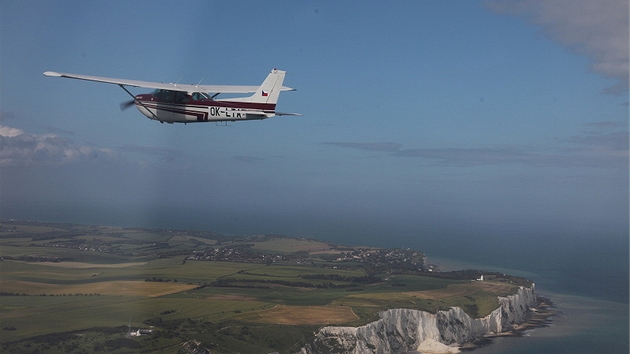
223	112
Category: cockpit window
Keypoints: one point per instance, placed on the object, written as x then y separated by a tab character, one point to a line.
164	95
179	96
173	96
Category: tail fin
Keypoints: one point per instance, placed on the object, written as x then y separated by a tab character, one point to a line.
269	91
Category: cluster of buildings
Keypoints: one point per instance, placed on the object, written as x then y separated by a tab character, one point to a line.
398	257
241	254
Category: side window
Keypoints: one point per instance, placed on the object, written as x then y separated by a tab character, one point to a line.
164	95
158	94
168	96
181	97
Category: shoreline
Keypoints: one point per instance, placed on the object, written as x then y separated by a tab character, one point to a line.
539	317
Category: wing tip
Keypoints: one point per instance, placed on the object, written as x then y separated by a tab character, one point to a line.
52	74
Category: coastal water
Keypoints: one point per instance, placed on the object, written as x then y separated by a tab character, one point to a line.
585	276
581	325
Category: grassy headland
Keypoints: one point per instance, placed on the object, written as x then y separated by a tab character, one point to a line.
74	288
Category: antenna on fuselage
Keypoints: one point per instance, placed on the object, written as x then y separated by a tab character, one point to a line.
176	82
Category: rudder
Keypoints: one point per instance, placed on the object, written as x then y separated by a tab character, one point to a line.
269	91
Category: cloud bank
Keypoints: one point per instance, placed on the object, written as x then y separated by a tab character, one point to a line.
596	29
18	148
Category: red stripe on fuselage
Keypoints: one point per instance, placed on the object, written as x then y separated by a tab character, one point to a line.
268	107
245	105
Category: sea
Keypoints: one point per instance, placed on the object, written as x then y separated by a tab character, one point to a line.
583	271
585	276
583	323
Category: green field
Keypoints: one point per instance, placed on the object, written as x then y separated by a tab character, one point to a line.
71	288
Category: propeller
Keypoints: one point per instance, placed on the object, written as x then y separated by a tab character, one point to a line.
126	104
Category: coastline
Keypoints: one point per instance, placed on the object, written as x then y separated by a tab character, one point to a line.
539	317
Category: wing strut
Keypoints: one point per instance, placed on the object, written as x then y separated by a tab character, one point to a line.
140	103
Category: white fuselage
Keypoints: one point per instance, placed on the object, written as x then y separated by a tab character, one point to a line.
177	107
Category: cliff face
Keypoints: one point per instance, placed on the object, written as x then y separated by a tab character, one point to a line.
403	330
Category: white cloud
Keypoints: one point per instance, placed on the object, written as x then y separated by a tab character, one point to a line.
597	29
19	148
10	132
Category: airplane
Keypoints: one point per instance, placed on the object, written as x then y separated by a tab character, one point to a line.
187	103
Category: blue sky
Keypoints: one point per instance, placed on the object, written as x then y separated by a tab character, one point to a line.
425	117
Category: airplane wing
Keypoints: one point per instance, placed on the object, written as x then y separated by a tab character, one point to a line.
163	86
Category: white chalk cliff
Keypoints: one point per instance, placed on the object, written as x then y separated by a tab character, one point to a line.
404	330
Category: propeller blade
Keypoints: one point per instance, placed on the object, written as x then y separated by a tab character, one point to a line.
126	104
